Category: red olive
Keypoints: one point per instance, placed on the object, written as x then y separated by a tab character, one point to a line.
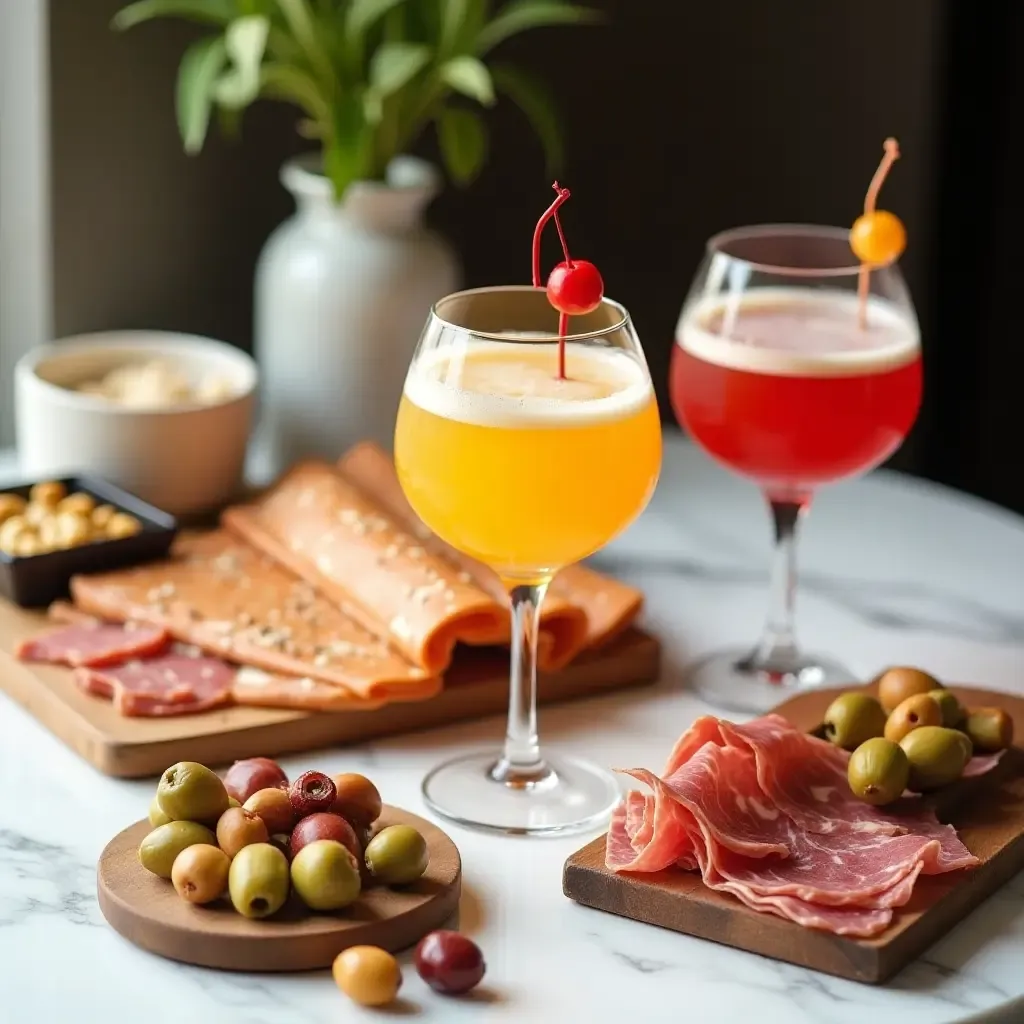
311	793
449	962
253	774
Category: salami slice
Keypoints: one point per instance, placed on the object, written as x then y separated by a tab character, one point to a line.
174	684
94	644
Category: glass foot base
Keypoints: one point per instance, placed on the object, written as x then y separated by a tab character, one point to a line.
732	680
565	795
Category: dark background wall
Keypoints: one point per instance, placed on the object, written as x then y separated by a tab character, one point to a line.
681	118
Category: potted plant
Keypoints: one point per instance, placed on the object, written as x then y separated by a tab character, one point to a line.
343	286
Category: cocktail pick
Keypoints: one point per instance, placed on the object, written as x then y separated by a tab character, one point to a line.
877	237
574	287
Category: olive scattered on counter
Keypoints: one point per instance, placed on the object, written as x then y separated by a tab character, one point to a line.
449	962
368	975
52	520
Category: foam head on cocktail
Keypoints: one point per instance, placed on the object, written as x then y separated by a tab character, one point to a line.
528	437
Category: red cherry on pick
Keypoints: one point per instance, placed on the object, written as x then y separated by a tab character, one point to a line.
575	288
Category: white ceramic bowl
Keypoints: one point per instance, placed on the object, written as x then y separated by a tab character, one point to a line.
186	459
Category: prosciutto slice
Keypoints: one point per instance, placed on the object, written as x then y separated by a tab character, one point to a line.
765	813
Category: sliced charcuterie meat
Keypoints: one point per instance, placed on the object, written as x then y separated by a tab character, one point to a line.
765	813
94	644
174	684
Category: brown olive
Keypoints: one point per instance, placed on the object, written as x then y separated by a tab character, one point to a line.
357	799
913	713
274	807
368	975
200	873
989	729
238	827
449	962
895	685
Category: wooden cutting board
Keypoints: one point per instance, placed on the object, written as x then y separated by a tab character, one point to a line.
987	812
475	686
147	911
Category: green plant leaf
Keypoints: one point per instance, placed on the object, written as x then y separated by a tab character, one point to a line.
246	42
197	75
364	14
463	140
470	77
347	149
302	23
395	64
209	12
531	96
293	85
461	20
521	15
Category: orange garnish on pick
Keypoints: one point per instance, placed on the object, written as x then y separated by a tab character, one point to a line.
877	237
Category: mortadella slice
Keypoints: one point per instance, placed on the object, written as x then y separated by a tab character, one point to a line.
340	541
93	644
583	609
226	598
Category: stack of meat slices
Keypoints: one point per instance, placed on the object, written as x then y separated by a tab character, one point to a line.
765	813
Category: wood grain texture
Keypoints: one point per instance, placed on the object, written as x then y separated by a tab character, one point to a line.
987	812
475	686
148	912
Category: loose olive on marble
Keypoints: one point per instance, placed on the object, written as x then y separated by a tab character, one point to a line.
911	714
397	855
853	718
368	975
189	791
878	771
449	962
989	729
937	756
159	849
896	684
258	880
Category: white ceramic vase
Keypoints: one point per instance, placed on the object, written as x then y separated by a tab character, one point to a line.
342	293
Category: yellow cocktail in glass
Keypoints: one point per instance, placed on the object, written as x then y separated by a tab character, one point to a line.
525	472
528	473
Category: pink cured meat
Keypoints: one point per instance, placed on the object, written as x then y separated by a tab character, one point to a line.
175	684
763	812
93	644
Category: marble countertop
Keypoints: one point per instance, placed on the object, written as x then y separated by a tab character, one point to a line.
894	570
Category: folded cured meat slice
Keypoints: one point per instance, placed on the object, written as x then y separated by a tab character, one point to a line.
172	684
771	838
93	643
225	597
583	609
336	538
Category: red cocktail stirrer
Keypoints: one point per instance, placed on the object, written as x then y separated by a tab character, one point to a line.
574	287
877	236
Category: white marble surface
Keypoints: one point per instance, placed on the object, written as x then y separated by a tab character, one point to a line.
896	570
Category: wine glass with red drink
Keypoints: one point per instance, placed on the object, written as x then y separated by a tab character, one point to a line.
797	364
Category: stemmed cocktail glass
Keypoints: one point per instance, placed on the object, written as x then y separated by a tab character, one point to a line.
527	473
795	366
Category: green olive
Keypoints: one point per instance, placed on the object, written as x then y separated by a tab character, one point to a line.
397	855
989	729
258	880
158	850
326	875
189	791
853	718
952	713
912	714
896	684
878	771
156	814
937	756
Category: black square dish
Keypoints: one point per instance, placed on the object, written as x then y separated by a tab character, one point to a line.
33	581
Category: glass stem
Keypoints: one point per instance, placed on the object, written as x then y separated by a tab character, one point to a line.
777	648
521	765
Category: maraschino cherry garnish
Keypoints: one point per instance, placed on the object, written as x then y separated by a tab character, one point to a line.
574	287
877	237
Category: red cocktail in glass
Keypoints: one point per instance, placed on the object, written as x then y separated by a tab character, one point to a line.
785	375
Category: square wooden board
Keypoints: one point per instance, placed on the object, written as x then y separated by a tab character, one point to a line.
988	814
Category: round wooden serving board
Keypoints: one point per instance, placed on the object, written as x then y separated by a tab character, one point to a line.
147	911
